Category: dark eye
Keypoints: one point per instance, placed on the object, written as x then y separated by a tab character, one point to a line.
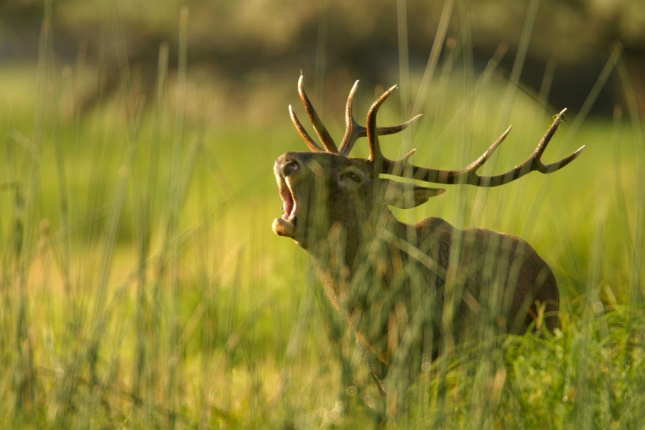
352	176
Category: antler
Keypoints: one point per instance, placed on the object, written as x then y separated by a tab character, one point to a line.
319	127
353	130
467	175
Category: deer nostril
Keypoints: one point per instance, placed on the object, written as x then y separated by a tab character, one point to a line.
290	167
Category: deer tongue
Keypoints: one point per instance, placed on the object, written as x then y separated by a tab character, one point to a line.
286	226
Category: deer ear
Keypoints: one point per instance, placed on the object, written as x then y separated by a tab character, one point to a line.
405	196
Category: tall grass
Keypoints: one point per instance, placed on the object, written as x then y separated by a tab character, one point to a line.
140	284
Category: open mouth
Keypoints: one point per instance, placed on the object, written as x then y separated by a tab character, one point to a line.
286	225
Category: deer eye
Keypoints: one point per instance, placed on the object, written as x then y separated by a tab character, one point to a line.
352	176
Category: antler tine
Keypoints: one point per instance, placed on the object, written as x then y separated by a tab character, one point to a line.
354	131
376	156
539	150
484	157
313	146
392	129
319	127
468	174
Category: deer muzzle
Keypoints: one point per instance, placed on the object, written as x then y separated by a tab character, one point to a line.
286	169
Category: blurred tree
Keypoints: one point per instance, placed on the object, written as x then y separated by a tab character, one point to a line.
249	43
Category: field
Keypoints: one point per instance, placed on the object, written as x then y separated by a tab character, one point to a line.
141	286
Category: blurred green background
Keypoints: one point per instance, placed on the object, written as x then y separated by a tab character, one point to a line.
140	283
253	49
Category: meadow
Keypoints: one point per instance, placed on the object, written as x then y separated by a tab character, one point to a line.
141	285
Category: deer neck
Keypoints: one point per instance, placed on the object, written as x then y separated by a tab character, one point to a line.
344	249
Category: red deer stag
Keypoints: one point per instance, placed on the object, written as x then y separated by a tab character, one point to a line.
405	288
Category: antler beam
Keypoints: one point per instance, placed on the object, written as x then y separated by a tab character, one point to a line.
467	175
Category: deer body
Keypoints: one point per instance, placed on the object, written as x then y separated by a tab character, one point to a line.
406	289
